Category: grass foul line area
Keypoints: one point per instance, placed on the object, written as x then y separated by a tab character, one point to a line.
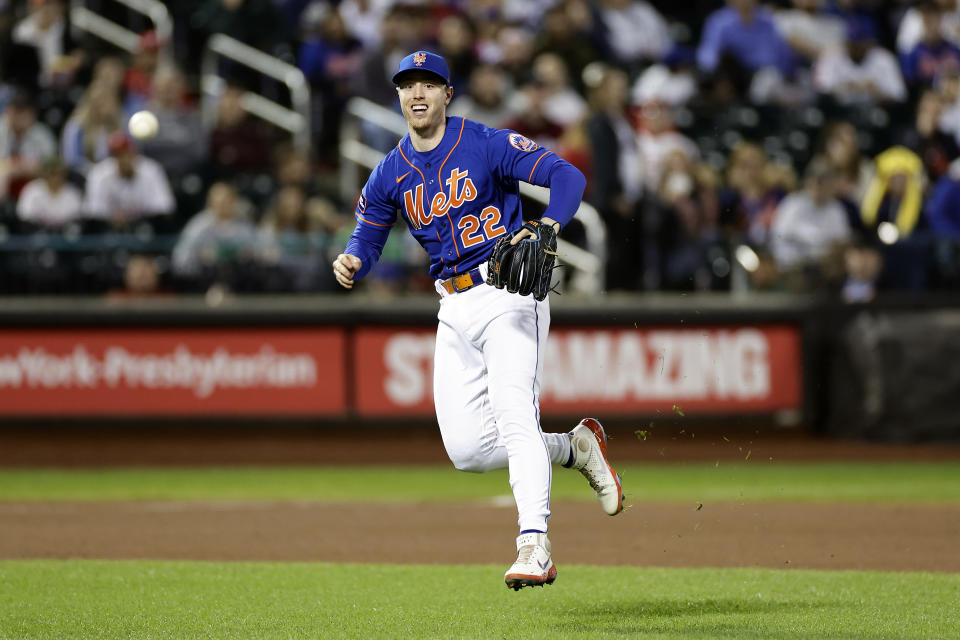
745	481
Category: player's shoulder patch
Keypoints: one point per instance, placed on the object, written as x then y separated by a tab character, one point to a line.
361	204
522	143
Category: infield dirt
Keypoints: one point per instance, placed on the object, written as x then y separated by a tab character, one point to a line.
822	536
907	537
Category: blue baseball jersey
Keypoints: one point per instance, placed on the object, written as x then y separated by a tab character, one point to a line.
460	197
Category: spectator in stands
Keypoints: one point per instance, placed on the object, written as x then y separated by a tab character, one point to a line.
637	32
671	82
942	210
742	38
180	145
515	54
292	167
127	187
45	28
238	143
216	241
292	243
860	72
616	187
561	102
839	147
7	88
83	141
139	76
895	194
531	117
933	56
809	224
809	29
522	12
363	19
911	29
50	202
485	100
108	73
456	39
141	279
24	143
948	86
935	147
862	265
754	189
689	211
559	35
372	79
329	56
657	138
574	147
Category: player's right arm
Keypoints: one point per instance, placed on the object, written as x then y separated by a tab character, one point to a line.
376	215
345	267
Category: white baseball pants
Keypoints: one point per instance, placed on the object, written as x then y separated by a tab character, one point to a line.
486	389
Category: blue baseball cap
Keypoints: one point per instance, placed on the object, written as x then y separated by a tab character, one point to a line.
423	61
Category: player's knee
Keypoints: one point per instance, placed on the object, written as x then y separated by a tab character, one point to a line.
468	462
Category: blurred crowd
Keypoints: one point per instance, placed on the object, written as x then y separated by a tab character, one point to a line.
798	145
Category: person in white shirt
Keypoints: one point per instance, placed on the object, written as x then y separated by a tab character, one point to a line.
860	72
673	82
46	29
127	187
637	32
657	139
362	19
810	222
808	30
562	104
910	32
50	201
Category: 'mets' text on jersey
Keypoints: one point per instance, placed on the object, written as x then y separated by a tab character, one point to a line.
457	198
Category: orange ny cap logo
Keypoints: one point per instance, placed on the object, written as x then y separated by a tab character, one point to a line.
419	58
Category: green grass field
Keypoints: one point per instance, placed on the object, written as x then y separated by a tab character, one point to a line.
912	482
99	599
165	599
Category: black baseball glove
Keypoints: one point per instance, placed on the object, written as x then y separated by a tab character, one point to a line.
525	267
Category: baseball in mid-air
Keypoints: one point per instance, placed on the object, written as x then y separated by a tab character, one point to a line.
143	125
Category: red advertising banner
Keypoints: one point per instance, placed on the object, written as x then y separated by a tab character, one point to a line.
208	372
705	370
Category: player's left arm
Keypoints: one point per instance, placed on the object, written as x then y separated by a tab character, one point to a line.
518	157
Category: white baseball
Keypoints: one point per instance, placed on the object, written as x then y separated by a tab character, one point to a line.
143	125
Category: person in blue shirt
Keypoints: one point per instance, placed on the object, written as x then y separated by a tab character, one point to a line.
942	211
455	184
933	56
747	34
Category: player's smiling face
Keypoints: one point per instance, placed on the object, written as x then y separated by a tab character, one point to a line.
424	99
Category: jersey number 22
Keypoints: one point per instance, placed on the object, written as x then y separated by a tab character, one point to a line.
475	230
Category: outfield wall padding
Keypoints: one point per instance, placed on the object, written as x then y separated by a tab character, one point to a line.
897	376
779	359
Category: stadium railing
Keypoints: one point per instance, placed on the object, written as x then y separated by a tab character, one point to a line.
294	119
91	22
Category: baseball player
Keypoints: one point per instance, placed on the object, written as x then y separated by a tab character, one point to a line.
455	183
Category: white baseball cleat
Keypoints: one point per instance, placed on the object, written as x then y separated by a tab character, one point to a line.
589	443
534	567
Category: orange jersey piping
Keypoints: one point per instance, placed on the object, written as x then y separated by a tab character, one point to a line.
530	179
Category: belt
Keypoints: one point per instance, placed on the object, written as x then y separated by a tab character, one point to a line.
464	281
